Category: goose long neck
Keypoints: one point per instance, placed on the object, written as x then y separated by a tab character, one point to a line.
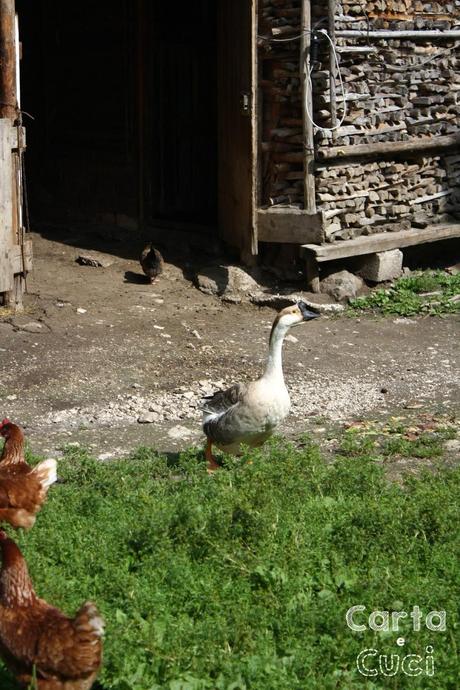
274	367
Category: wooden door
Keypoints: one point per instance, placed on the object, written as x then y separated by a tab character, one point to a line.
237	125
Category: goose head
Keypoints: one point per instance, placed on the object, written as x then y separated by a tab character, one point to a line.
293	315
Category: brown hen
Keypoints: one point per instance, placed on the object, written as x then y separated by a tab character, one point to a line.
23	489
39	641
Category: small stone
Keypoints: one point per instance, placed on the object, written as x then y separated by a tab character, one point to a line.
11	397
452	445
95	259
105	456
384	390
22	323
148	418
180	432
80	310
196	334
136	385
413	405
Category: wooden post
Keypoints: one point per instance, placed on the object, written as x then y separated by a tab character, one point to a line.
307	109
8	93
312	272
9	109
332	67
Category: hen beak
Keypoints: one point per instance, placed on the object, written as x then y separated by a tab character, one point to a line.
307	314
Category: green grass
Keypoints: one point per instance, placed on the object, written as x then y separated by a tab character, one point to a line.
406	298
242	580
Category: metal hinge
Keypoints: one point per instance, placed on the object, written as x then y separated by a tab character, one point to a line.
245	103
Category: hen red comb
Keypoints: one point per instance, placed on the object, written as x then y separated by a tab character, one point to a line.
4	421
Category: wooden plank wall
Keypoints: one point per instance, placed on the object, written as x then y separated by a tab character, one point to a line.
6	206
15	251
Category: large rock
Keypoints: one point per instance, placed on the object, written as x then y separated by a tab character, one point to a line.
225	281
342	286
381	266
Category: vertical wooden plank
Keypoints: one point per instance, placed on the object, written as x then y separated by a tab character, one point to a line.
312	272
236	137
6	206
8	92
307	108
254	125
332	66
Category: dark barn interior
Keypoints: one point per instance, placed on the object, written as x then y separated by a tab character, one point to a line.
124	101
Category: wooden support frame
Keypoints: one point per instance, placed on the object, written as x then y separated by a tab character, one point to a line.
390	147
382	242
307	109
315	254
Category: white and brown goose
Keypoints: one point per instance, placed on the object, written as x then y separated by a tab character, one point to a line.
248	413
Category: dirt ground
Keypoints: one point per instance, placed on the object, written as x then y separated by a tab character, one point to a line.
103	359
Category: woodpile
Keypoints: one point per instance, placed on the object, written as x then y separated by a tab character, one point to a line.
365	198
281	147
395	90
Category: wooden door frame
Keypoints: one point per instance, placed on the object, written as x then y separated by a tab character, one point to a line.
237	132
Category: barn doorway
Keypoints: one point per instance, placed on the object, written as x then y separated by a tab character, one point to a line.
124	100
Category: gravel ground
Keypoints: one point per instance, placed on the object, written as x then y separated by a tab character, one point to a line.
113	363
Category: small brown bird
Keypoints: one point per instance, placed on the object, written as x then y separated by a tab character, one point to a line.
40	645
151	262
23	489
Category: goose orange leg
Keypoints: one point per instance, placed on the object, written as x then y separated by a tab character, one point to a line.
212	464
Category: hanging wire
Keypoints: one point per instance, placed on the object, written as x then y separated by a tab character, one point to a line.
344	114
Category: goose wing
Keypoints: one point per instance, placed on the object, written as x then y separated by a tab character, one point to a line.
220	412
221	401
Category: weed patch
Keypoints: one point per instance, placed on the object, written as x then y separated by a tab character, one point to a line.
243	580
429	293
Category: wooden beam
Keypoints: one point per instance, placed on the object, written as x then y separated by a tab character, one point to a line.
290	226
382	147
396	35
307	109
381	242
8	90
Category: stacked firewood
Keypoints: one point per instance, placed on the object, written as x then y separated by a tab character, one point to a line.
365	198
399	14
281	147
393	94
395	90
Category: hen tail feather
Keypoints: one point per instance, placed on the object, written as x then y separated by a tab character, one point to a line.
46	472
89	621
